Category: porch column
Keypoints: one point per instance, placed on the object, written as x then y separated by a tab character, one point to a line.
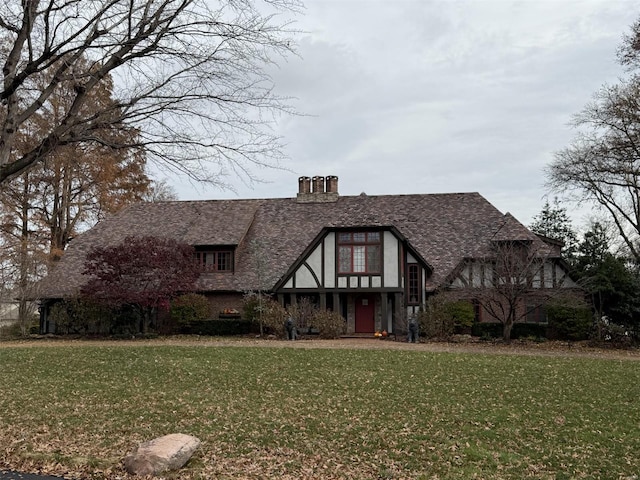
281	299
294	299
400	312
384	324
42	310
323	301
336	303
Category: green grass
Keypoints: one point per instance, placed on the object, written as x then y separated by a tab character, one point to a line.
297	413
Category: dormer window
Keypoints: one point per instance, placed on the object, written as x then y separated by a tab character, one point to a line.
359	252
215	260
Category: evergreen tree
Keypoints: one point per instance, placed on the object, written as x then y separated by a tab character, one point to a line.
554	222
611	280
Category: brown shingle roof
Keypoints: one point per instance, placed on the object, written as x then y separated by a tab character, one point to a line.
443	228
512	229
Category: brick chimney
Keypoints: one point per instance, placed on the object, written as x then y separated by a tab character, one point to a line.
318	189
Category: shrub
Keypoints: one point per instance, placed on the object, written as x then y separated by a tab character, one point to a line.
251	306
529	331
262	308
488	330
613	335
12	330
265	310
273	317
569	320
443	317
329	324
492	330
303	313
79	316
190	308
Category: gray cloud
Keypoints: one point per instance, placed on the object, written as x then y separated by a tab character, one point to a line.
422	96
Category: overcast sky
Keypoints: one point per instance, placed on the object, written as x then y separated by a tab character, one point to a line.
430	97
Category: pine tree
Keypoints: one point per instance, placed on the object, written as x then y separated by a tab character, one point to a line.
554	222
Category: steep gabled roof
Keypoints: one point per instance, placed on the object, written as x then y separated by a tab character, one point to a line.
443	228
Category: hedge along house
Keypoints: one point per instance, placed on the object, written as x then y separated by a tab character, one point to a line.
374	259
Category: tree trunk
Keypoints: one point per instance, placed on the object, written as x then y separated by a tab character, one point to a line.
145	320
260	314
23	281
506	330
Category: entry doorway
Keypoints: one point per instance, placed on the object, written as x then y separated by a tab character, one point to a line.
365	314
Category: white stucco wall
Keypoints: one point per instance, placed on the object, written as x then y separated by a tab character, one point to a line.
315	261
390	260
304	278
330	260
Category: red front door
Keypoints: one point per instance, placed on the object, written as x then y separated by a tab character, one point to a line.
365	314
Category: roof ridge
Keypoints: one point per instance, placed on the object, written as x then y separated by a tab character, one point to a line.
359	195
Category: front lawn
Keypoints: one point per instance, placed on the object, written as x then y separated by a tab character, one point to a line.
320	413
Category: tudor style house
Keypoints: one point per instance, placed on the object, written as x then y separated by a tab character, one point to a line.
374	259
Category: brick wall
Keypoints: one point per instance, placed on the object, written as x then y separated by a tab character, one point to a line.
220	301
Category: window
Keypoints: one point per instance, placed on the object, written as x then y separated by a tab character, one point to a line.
536	314
215	261
413	284
359	252
477	311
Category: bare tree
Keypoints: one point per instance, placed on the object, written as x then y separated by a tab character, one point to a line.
257	247
189	75
516	278
602	164
74	185
160	191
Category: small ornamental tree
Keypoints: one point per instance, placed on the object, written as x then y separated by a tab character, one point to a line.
142	272
512	266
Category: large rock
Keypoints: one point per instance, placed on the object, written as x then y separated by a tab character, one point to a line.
160	454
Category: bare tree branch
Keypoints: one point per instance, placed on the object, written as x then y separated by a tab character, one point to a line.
190	76
603	162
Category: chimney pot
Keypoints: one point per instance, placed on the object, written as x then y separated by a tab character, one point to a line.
331	184
318	184
304	185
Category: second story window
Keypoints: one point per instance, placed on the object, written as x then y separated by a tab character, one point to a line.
215	261
359	252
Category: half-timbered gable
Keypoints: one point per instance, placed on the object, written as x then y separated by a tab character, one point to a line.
516	267
480	273
345	267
